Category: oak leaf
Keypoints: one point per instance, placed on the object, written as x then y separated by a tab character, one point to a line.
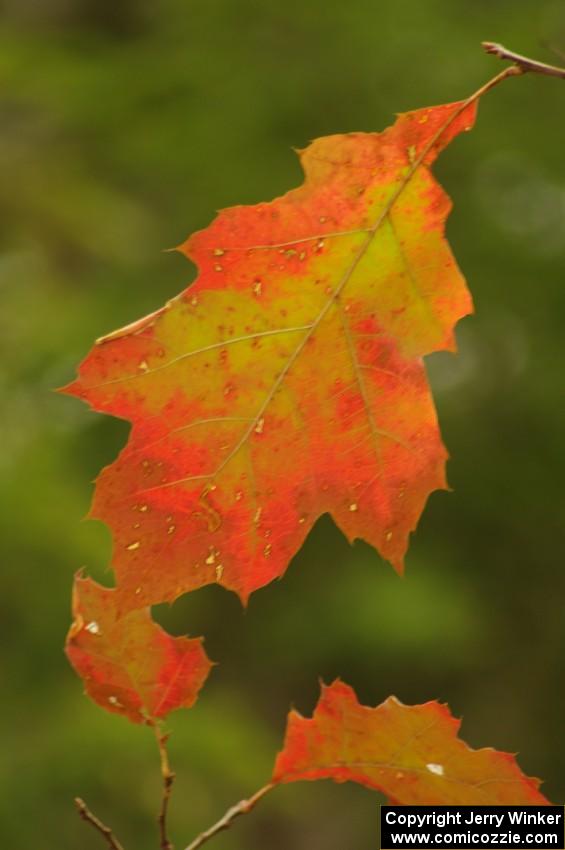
128	664
410	753
287	381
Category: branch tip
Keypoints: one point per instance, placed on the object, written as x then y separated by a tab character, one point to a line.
89	817
523	63
241	808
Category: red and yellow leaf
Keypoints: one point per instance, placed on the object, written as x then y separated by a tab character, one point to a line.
129	665
411	753
287	381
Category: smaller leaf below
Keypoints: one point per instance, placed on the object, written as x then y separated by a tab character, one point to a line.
409	753
128	664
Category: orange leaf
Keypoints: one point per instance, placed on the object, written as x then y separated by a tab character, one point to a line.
130	665
411	753
287	381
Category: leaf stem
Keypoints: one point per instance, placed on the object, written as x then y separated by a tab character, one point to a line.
523	62
168	779
104	830
225	822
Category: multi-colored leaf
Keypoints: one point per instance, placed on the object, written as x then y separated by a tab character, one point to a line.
287	381
411	753
129	665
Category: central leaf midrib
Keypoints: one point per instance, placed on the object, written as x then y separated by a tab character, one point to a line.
346	278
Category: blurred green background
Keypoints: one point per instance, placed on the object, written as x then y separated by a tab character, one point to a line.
125	125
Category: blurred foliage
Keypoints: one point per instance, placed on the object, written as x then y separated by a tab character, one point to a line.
124	126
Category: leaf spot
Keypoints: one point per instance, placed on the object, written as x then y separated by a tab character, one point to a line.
133	546
259	427
353	507
435	768
93	627
219	252
267	550
219	572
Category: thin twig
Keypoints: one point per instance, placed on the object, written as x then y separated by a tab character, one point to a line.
523	62
104	830
225	822
168	779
